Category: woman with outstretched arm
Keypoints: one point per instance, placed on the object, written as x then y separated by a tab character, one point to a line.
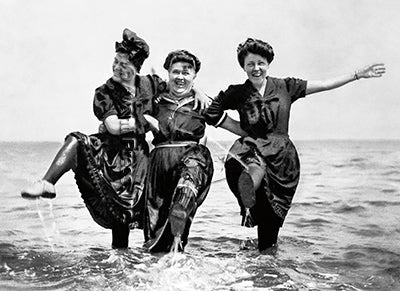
263	167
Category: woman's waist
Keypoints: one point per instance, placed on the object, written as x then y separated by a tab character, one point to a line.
176	143
271	134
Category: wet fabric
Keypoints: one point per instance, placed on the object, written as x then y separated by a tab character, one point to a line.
179	175
266	120
177	120
111	169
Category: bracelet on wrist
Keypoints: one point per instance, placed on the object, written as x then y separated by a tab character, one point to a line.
356	76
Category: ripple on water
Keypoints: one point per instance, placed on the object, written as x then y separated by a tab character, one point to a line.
345	208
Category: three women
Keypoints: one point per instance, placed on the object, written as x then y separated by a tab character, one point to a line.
110	167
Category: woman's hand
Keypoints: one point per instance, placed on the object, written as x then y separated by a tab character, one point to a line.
127	125
371	71
201	100
117	126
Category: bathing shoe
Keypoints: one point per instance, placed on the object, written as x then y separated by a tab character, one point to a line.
40	188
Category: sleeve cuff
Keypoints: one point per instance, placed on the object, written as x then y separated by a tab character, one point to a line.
222	119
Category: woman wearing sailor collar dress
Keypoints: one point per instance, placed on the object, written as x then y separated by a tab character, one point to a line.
181	167
263	167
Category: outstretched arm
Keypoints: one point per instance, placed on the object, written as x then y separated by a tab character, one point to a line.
370	71
233	126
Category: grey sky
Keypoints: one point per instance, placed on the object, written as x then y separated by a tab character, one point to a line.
53	54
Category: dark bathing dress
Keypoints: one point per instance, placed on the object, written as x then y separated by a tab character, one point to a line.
180	170
266	120
111	169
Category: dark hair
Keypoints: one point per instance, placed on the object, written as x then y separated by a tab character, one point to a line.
135	47
182	56
254	46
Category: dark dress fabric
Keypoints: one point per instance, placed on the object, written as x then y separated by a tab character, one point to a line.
178	165
266	120
112	169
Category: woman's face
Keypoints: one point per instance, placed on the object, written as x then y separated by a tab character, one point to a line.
123	70
256	68
181	76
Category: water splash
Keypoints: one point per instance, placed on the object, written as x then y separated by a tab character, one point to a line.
229	153
54	233
181	271
226	151
48	237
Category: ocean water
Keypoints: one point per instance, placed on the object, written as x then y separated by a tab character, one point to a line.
342	232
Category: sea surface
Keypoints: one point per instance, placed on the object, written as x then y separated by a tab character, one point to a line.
342	232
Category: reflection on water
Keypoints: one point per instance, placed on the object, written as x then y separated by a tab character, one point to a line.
342	232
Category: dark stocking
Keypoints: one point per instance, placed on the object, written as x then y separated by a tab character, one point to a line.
64	161
120	236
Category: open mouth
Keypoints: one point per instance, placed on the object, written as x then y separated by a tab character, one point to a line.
256	74
179	84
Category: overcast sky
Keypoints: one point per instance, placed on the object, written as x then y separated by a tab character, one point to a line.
53	54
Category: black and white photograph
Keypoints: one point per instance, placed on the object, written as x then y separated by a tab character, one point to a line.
199	145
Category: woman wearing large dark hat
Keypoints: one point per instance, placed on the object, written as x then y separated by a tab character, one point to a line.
110	167
263	168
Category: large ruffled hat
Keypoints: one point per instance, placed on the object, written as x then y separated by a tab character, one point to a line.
136	48
182	56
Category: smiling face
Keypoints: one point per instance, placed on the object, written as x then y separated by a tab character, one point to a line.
181	76
256	68
123	70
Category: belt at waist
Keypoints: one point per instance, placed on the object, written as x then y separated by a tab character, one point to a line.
281	134
176	144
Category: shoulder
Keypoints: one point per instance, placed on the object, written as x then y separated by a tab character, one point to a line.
105	89
152	82
235	91
234	88
293	81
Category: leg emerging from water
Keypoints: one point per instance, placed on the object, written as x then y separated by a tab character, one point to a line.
269	223
65	160
120	236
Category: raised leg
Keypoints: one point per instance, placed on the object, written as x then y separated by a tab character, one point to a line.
248	183
64	160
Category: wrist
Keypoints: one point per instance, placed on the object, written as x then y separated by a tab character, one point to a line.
127	125
356	75
131	124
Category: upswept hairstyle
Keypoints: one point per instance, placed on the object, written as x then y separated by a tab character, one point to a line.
254	46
